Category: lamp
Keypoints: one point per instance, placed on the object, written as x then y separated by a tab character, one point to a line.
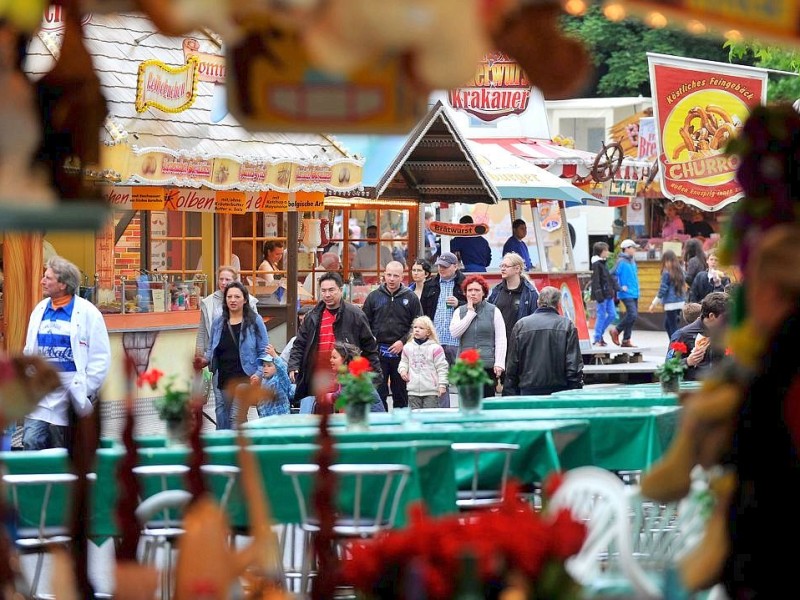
311	234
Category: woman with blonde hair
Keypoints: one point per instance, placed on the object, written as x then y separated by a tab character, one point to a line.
423	365
515	296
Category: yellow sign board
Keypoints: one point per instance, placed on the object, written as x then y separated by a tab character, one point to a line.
147	198
759	18
273	87
230	202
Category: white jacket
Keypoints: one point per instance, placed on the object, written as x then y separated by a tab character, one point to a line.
91	352
426	366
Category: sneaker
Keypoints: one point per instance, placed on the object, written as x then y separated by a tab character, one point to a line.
627	344
614	333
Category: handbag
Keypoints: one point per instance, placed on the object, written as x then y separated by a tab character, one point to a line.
208	385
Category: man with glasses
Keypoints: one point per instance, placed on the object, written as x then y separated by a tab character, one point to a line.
331	320
441	295
515	296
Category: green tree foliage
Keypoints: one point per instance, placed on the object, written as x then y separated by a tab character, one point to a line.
619	51
780	87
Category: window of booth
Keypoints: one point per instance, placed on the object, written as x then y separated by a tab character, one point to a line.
361	241
259	241
175	243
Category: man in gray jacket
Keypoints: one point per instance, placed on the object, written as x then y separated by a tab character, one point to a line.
544	354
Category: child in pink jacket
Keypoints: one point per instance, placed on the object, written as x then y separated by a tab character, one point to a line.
423	366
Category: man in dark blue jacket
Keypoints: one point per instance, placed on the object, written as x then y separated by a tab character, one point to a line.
390	310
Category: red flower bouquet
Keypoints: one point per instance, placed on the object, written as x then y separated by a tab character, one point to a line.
512	547
673	368
356	382
468	369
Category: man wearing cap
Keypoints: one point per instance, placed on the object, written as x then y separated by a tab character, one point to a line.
627	275
441	295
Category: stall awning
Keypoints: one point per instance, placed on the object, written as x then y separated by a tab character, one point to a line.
517	179
168	122
433	163
561	161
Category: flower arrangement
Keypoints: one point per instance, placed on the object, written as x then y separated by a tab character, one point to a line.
173	404
356	383
513	548
672	368
468	369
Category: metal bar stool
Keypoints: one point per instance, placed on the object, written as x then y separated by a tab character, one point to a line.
36	538
477	497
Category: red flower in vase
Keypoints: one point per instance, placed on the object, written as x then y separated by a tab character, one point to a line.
151	377
470	356
679	347
358	366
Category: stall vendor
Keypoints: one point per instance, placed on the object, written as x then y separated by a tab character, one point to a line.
673	224
516	243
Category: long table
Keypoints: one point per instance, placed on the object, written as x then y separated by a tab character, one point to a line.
545	445
621	438
432	477
578	401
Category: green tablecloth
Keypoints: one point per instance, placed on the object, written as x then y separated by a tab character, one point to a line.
545	445
622	437
432	479
639	390
577	401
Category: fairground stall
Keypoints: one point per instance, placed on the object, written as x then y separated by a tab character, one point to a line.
189	190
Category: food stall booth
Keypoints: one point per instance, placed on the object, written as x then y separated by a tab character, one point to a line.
188	188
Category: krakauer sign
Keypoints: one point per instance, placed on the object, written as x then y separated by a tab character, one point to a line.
499	88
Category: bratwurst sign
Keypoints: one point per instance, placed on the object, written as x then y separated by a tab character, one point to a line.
698	107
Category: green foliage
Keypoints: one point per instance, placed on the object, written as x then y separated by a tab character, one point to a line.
173	404
619	51
780	88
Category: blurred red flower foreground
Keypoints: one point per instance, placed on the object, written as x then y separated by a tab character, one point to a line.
511	542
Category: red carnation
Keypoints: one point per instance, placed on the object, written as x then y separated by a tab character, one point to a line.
470	356
358	366
150	377
678	347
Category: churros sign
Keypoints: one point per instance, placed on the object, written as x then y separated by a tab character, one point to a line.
699	106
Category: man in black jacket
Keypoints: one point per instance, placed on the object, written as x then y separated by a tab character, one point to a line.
390	310
331	320
701	354
544	354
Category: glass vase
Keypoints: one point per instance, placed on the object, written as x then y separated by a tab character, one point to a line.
357	416
671	385
470	398
177	432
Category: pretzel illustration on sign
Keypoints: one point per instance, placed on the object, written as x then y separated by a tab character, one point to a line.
706	131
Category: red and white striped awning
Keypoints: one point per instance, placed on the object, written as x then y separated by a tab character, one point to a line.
561	161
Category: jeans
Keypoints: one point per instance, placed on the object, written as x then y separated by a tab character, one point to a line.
671	319
451	354
39	435
625	325
307	405
605	317
399	394
225	408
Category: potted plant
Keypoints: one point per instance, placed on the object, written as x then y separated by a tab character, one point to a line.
671	372
356	393
172	406
469	376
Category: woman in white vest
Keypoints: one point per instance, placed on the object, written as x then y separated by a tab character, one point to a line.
480	325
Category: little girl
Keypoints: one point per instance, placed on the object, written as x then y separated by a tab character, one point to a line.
423	366
274	377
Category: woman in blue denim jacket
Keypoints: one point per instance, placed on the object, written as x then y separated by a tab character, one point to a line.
671	291
238	338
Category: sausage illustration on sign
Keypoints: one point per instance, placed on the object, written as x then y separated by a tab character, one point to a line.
459	229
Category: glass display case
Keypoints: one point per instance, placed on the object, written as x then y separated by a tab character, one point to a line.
151	292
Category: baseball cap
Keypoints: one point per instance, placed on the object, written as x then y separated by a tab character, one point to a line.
266	358
447	259
629	244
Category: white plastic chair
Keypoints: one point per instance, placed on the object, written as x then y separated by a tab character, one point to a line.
631	540
482	453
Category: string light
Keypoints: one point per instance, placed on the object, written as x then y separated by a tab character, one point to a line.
575	7
614	11
656	20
